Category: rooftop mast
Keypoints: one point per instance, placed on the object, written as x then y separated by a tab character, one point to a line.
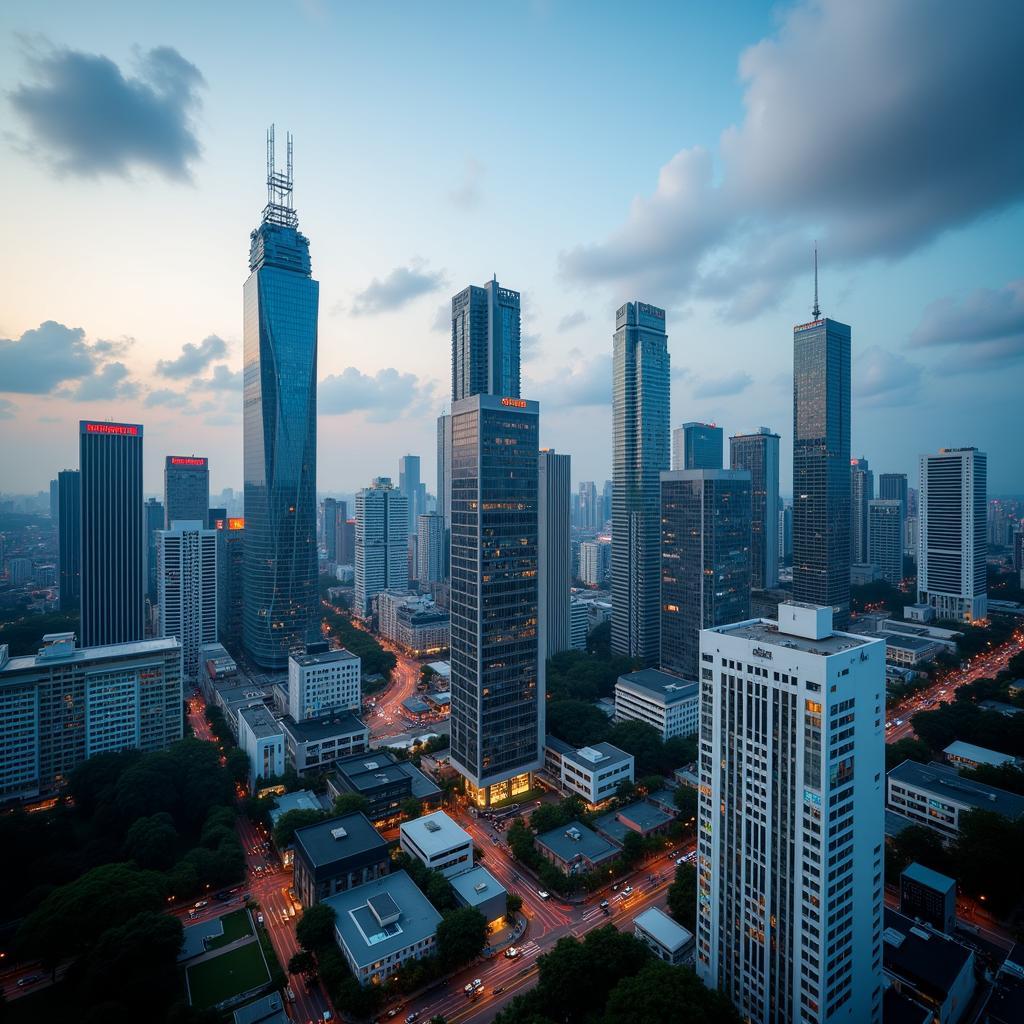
816	312
280	208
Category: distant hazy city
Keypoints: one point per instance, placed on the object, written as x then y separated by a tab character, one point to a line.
733	735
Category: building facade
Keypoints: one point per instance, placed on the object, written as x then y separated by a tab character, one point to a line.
664	701
382	543
69	537
554	550
281	303
230	581
337	855
862	490
409	485
438	843
187	591
485	342
261	736
497	644
952	547
429	548
821	465
790	821
186	489
758	453
705	559
153	522
885	539
321	684
413	622
640	452
595	562
329	516
112	534
697	446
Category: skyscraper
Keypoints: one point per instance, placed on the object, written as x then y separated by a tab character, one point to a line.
54	501
606	502
382	543
705	559
485	342
112	535
790	818
281	304
554	550
153	520
885	538
444	484
952	535
186	489
697	446
429	548
862	490
69	537
821	463
758	453
497	662
230	581
187	590
409	485
640	450
330	510
590	510
893	487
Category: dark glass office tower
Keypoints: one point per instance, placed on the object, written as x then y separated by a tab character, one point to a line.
153	520
893	487
329	527
69	537
186	489
497	664
555	550
821	465
409	485
758	453
705	559
444	506
485	342
697	446
862	491
112	533
281	302
230	570
640	453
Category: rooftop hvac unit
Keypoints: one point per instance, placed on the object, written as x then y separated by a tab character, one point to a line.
338	833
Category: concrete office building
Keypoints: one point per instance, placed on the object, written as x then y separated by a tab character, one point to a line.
438	843
186	489
665	701
385	782
66	704
705	559
554	550
314	744
382	543
595	772
952	545
260	735
337	855
885	539
758	454
112	535
666	939
413	622
893	487
322	684
929	896
640	452
790	821
187	591
429	548
595	562
69	537
862	491
697	446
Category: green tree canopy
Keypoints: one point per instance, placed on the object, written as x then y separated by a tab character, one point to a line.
346	803
315	929
152	842
682	896
461	935
578	722
661	992
284	830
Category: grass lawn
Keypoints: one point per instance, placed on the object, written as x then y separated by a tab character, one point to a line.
520	798
213	981
236	926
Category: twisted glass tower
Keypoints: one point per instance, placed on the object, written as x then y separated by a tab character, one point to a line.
281	300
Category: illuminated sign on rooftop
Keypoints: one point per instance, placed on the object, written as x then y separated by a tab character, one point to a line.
120	429
515	403
185	460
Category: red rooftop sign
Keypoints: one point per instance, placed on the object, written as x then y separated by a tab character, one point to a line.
124	429
184	460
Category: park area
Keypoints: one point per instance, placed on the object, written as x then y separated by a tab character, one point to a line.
239	970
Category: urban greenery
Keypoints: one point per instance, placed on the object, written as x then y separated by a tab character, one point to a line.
24	635
376	661
682	896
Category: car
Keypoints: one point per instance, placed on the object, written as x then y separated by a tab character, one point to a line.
544	894
201	904
604	905
29	979
627	890
899	721
259	917
511	953
414	1016
291	993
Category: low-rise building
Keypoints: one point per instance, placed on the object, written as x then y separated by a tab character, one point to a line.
659	699
385	782
595	772
1000	708
300	800
323	683
438	843
574	848
641	817
314	744
910	651
919	613
383	924
335	855
935	795
265	1010
928	896
479	889
967	755
665	938
260	735
413	622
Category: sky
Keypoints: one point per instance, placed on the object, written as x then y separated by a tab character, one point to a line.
687	155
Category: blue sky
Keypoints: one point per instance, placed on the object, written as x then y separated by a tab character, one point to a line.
584	153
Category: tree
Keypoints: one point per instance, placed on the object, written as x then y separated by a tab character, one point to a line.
411	808
238	765
513	904
599	639
633	848
303	963
287	824
922	844
152	842
984	859
661	992
461	935
315	929
643	741
682	896
625	790
907	749
578	722
346	803
685	799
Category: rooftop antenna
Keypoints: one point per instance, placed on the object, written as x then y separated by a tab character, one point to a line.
816	312
280	208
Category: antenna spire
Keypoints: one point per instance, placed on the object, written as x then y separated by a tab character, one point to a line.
280	208
816	312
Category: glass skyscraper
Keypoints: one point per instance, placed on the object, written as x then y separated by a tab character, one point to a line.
153	520
69	537
759	453
281	302
554	550
697	446
862	490
640	453
186	489
485	341
821	465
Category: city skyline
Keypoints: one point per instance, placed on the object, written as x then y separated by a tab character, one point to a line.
933	330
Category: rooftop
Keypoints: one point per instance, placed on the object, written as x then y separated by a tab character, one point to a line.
907	643
364	772
309	729
597	756
896	824
766	631
898	1008
663	929
372	928
575	839
260	721
926	876
476	886
417	705
338	838
435	833
944	780
60	653
982	755
1001	707
558	746
326	658
660	685
929	960
636	817
302	800
268	1010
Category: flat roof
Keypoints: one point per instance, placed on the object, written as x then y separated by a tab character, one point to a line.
908	643
663	686
896	824
268	1010
926	876
928	959
589	844
1000	706
434	833
302	800
476	886
323	844
326	658
643	815
85	655
558	746
366	940
944	780
260	721
416	705
668	933
766	631
340	724
980	754
367	771
597	756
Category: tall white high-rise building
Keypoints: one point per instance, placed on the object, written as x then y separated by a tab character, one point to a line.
429	548
554	550
885	538
382	543
595	562
952	543
790	818
321	684
187	590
